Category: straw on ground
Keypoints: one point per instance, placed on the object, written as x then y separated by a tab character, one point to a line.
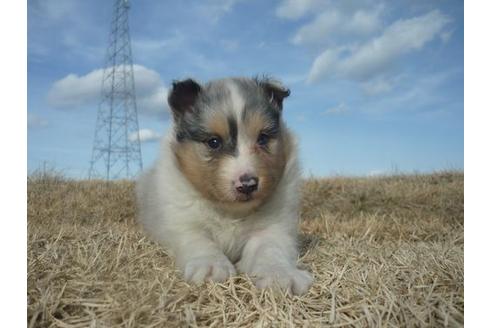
385	251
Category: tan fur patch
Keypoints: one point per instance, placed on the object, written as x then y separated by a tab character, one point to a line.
255	123
205	172
271	163
197	169
217	124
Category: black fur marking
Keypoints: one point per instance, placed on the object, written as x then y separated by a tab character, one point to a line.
272	130
262	95
229	146
274	91
189	128
183	96
232	131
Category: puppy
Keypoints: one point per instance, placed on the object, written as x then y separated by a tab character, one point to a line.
224	194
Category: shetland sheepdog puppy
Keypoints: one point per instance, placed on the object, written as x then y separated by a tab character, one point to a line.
223	197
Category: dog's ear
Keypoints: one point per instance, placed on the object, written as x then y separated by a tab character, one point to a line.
183	96
275	91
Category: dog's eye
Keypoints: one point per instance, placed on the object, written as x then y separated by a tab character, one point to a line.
262	139
214	142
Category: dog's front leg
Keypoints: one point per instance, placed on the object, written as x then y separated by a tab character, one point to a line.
201	260
270	258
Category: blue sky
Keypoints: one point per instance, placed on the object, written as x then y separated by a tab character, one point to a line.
375	85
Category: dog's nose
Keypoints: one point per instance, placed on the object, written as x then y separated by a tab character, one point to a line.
247	184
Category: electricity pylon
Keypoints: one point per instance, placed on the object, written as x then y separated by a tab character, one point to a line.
116	152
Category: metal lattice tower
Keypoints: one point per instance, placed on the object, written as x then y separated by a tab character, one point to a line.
116	151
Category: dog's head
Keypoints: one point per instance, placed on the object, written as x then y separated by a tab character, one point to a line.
230	141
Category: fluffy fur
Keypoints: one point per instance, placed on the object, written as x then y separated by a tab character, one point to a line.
191	201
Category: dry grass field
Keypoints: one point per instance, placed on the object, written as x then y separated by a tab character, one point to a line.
385	251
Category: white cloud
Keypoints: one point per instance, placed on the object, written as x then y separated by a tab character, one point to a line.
364	22
295	9
292	78
446	35
146	135
215	9
416	93
52	9
323	65
157	45
35	121
332	23
373	57
154	103
157	49
338	109
63	27
319	29
73	91
379	85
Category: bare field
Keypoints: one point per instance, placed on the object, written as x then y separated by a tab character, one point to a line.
385	251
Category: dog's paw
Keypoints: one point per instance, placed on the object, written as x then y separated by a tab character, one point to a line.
210	268
292	280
